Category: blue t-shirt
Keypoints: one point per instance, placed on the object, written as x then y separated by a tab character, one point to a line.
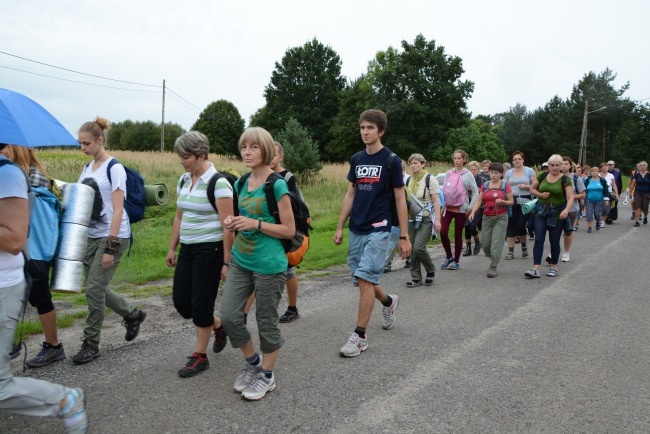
595	191
371	208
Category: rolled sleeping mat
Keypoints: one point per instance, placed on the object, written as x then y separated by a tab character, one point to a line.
156	194
73	240
67	276
78	200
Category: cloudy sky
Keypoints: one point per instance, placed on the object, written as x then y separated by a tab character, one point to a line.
514	51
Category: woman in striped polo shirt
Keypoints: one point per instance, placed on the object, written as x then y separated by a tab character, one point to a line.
205	246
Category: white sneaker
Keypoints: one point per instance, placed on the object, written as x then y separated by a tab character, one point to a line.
247	376
259	387
602	224
354	346
388	313
566	257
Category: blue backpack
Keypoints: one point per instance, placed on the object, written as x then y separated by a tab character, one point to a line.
135	201
43	235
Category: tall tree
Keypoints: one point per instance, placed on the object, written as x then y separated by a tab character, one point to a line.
421	90
223	125
514	128
478	139
300	152
306	86
346	140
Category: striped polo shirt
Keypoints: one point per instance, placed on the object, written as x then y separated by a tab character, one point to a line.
199	222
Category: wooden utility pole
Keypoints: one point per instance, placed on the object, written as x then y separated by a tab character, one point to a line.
162	124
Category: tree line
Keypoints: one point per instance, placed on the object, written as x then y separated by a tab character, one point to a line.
314	109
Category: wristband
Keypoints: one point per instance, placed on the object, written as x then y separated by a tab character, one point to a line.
259	225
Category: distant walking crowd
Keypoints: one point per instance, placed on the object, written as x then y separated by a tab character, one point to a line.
232	232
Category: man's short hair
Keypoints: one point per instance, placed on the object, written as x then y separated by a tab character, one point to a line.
376	117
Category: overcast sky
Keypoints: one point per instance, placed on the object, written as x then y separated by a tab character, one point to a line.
514	51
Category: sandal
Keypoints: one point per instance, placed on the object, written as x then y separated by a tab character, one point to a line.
509	255
429	280
413	284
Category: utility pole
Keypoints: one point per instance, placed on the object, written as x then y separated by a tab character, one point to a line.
162	124
582	157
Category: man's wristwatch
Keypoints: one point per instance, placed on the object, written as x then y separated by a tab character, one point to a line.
403	237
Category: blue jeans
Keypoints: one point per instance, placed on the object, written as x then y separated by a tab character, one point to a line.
554	235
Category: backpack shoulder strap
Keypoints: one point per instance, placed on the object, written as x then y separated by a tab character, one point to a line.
503	187
271	203
427	180
389	164
110	164
211	185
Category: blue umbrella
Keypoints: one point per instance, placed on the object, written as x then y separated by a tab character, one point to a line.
24	122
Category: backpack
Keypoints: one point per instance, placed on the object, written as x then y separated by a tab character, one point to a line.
393	205
454	189
135	200
503	188
296	247
43	235
427	181
231	176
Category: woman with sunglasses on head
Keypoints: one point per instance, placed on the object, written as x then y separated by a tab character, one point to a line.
555	199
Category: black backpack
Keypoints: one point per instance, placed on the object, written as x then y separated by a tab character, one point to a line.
296	247
231	176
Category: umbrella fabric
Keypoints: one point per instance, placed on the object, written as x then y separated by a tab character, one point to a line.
24	122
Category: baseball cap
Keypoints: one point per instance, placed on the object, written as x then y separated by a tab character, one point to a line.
544	164
610	162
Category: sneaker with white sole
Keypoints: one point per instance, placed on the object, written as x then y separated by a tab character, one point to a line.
446	264
532	274
47	355
354	346
247	376
566	257
388	313
602	224
74	413
259	387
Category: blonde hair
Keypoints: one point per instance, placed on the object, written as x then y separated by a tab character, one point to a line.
474	163
24	157
97	128
261	137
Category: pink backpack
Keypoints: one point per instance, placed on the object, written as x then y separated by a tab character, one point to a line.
454	189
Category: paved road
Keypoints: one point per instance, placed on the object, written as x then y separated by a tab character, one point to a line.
470	354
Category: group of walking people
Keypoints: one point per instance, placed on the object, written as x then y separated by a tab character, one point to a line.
225	232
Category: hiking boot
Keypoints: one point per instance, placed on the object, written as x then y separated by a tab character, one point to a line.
86	354
247	376
194	365
289	316
15	352
467	251
477	247
354	346
492	272
133	325
446	264
636	225
220	340
645	220
73	413
47	355
388	313
259	387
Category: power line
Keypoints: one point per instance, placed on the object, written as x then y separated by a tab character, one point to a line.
181	103
78	72
81	82
198	108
